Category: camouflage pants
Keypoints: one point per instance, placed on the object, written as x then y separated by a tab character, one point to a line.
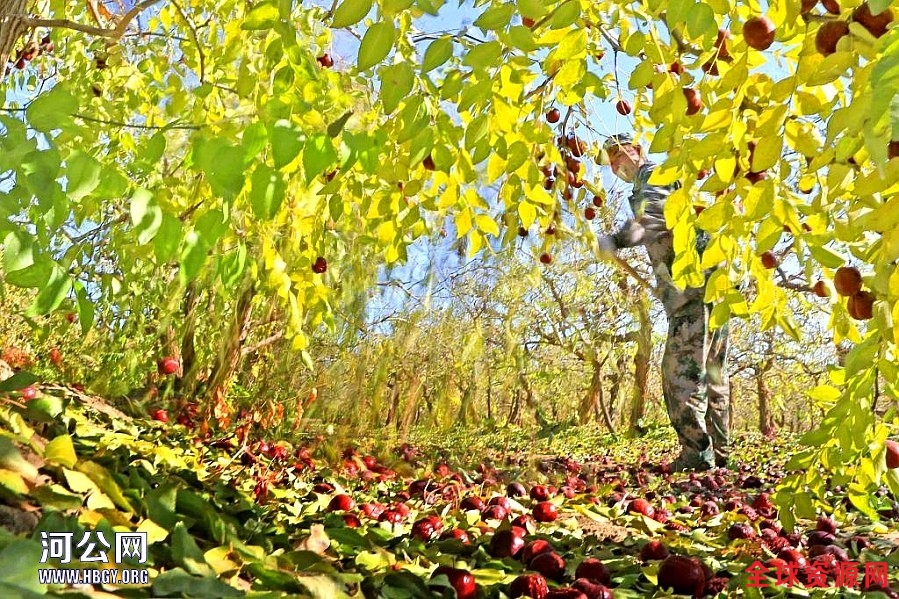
694	377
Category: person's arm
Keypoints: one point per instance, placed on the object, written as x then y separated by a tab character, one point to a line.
648	203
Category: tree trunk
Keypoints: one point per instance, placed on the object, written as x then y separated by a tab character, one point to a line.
766	421
595	399
515	408
641	365
187	384
11	29
229	358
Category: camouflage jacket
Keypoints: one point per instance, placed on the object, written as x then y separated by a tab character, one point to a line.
647	227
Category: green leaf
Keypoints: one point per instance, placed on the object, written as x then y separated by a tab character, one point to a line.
146	215
19	380
161	505
522	38
52	293
267	190
701	19
226	172
18	251
11	459
51	110
19	563
186	552
13	481
567	14
168	238
152	152
82	175
496	17
193	256
826	256
396	84
337	126
211	226
86	308
534	9
262	16
318	155
233	264
438	52
105	482
34	275
483	55
41	169
878	6
376	44
46	405
350	12
391	7
57	497
61	450
678	11
286	143
178	583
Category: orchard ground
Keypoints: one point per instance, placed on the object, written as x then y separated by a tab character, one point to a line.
490	513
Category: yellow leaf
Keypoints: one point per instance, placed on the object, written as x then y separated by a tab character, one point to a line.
299	342
527	212
449	197
718	251
98	500
573	44
717	119
571	73
665	175
802	137
759	201
890	251
725	167
486	224
386	232
463	222
476	242
78	482
538	195
61	451
767	153
771	121
218	559
155	533
496	167
13	481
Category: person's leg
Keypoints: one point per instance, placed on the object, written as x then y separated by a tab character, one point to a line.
718	392
683	382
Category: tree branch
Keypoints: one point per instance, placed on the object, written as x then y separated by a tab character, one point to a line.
134	126
267	341
115	33
193	33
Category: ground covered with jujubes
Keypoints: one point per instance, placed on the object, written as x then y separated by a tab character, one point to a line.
488	513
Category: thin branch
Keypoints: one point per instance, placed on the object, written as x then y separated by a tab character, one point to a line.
133	126
115	33
176	38
193	33
267	341
787	284
67	24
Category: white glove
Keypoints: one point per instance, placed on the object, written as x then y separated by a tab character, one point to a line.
607	246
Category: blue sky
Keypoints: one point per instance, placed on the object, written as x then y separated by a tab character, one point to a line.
452	18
